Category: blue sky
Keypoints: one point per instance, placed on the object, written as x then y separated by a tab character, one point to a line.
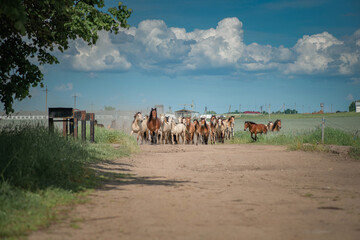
216	53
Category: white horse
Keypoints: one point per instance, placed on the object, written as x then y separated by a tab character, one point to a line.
136	126
145	134
178	130
165	128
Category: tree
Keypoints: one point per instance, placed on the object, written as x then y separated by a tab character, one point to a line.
109	108
352	106
210	112
31	29
291	111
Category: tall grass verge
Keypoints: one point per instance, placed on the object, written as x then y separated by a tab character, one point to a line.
40	171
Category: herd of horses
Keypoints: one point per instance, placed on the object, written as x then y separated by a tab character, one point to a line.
169	130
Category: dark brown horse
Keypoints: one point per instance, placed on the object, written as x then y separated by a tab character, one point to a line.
277	125
255	128
153	125
204	131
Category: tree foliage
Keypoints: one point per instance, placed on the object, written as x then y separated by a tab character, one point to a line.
352	106
211	112
109	108
291	111
31	29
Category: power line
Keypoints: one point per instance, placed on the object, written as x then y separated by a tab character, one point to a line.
75	96
46	91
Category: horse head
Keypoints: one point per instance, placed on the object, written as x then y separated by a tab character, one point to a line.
246	125
162	118
279	124
187	121
153	114
203	123
219	122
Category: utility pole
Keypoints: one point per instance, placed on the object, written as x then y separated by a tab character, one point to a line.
295	107
269	112
74	96
240	108
323	130
46	96
322	124
230	108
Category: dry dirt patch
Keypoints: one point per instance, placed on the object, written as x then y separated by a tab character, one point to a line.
220	192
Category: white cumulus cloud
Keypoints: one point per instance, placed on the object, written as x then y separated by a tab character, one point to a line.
102	56
152	46
313	53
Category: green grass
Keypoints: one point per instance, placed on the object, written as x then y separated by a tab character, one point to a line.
309	140
22	211
40	172
296	116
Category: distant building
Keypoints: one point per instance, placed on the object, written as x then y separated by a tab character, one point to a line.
186	113
159	109
357	107
251	112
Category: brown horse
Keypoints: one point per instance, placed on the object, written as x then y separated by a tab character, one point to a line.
230	127
190	131
212	129
197	130
204	131
277	125
153	125
255	128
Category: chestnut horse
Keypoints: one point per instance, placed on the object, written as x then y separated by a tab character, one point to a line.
153	125
204	131
220	130
190	131
255	128
212	129
197	130
277	125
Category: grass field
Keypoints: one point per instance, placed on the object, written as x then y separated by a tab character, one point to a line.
303	123
303	131
40	172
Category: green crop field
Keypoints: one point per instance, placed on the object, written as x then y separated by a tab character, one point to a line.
302	123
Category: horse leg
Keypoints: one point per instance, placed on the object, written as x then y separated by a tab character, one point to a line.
252	136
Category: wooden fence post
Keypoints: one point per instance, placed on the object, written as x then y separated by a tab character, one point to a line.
323	130
51	124
83	126
92	127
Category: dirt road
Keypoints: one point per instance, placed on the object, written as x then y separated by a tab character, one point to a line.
220	192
